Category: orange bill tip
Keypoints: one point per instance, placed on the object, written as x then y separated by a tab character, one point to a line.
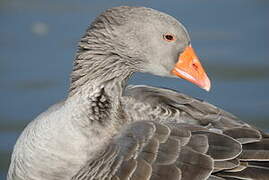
189	68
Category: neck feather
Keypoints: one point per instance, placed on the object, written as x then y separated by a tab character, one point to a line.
100	71
99	80
92	69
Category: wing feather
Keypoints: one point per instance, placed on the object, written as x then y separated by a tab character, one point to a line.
180	138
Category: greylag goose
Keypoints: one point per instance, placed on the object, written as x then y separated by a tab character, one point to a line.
104	130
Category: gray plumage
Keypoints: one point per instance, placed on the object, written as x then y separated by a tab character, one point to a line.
105	130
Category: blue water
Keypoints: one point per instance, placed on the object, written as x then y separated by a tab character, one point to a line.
38	41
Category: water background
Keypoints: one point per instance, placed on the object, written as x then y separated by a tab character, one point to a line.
38	41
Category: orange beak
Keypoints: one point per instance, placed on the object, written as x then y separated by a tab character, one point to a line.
189	68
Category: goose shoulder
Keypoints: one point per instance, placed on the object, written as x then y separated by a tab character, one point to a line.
181	107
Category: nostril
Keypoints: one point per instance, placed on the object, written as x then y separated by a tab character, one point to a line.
195	66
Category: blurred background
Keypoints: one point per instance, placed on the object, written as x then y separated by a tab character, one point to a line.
38	40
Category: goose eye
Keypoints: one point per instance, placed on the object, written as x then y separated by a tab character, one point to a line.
169	37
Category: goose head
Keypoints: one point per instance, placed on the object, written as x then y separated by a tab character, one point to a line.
145	40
